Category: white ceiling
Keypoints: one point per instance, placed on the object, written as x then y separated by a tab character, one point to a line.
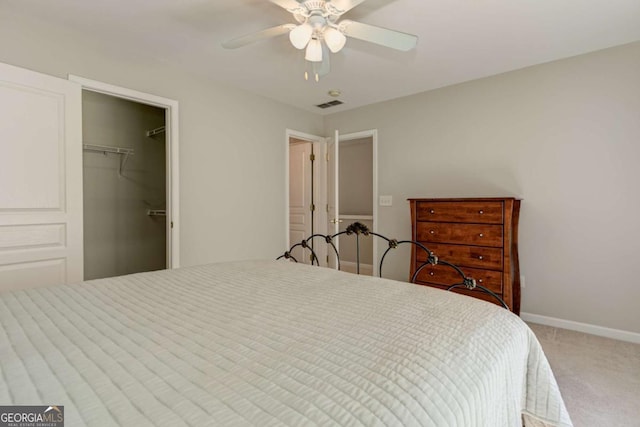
459	40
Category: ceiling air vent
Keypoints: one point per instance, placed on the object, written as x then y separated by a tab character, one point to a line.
330	104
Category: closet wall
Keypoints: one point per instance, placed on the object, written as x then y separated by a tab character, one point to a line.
356	197
119	236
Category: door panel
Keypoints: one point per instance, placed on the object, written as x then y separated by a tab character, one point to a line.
40	180
300	218
32	236
26	274
41	149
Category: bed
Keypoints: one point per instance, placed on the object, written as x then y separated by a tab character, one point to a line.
271	343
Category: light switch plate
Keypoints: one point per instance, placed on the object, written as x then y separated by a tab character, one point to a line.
386	200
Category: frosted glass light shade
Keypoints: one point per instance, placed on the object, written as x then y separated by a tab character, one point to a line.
314	51
334	39
316	70
301	35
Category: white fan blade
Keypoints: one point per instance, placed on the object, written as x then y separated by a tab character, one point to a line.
378	35
287	4
260	35
343	6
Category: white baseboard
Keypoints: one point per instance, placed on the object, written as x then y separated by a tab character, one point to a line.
351	267
616	334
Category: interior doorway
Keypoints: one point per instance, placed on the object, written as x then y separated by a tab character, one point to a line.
305	192
356	201
130	180
301	195
351	170
124	186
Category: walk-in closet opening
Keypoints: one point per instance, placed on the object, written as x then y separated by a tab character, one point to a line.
356	195
124	186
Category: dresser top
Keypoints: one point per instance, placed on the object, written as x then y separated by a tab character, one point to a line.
463	199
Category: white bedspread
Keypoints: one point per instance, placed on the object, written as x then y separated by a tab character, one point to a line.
271	343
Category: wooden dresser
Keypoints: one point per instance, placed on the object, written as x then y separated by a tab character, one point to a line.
478	235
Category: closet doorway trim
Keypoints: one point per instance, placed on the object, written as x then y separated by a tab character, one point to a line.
171	122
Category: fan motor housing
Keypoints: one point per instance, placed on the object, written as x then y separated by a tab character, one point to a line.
315	5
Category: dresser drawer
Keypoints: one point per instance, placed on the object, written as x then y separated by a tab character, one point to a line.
481	212
466	234
465	256
444	275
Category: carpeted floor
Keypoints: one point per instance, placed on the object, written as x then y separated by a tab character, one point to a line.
599	377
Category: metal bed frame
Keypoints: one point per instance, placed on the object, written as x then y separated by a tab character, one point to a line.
358	229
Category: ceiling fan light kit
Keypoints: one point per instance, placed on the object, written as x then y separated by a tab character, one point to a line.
334	39
318	23
314	51
301	35
316	69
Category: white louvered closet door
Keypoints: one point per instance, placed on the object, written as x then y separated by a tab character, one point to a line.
40	180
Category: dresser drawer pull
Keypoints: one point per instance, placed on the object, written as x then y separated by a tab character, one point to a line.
480	280
480	257
431	273
481	235
481	212
431	232
432	211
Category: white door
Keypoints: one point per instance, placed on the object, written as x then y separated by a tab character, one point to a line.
333	218
40	180
300	197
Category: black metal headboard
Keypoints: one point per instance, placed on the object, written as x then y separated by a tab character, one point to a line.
358	229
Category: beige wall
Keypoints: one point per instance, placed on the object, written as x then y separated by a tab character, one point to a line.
356	177
564	136
119	237
232	143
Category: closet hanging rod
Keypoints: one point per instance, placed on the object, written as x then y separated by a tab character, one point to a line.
156	131
126	152
108	149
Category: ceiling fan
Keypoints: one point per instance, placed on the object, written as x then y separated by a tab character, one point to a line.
320	31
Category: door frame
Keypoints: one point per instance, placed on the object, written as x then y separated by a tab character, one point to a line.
320	220
305	177
172	160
